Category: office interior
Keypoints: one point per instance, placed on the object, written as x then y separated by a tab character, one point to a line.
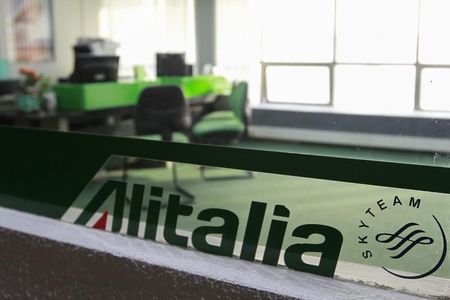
338	78
317	73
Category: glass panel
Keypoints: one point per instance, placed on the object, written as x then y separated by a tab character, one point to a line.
298	30
434	42
376	31
375	89
435	89
357	219
293	84
375	234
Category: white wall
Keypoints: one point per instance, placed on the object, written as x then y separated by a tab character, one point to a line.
71	19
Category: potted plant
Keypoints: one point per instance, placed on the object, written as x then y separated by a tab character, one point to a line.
35	90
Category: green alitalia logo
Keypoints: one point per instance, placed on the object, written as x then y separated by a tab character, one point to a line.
150	199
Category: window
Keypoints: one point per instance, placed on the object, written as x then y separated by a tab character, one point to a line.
374	89
381	31
375	56
297	31
434	39
298	84
435	89
382	56
237	43
144	28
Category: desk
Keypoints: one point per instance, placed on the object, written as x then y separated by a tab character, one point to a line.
65	121
110	102
76	120
94	96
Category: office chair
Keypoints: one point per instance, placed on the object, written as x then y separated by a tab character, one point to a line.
162	114
225	126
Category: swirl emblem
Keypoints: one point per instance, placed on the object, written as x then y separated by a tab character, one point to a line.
403	240
406	241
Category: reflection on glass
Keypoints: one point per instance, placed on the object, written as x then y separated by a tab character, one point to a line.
375	89
296	84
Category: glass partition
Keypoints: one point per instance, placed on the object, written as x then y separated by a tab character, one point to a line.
381	223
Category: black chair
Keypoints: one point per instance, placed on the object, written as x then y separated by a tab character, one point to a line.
162	114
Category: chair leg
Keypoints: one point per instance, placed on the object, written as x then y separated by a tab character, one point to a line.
125	175
179	188
248	174
125	169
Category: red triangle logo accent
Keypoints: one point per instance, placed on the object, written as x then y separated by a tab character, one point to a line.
101	223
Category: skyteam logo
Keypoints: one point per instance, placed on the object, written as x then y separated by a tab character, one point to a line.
137	210
399	234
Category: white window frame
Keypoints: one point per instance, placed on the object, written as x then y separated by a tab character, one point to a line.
417	65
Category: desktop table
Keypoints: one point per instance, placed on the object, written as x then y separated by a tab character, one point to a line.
96	104
65	120
93	96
